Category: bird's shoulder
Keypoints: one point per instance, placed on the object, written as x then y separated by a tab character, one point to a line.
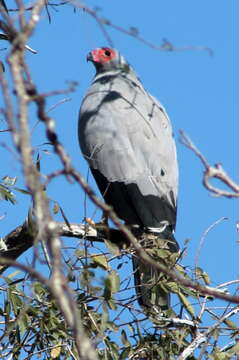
123	95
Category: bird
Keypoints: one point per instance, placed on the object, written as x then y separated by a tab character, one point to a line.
126	137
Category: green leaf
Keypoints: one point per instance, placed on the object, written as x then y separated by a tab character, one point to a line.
201	274
206	278
113	248
32	311
186	304
124	339
6	194
100	260
86	278
172	286
125	353
112	283
23	323
113	347
13	275
180	269
15	301
230	324
215	333
107	289
56	352
112	326
219	356
115	281
39	290
9	181
56	208
234	349
112	305
104	320
131	328
80	253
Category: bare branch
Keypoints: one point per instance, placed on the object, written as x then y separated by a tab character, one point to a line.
203	237
199	339
133	32
124	236
22	238
45	229
210	172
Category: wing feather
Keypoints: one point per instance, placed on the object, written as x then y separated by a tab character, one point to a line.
126	135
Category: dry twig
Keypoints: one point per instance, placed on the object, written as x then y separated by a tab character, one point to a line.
210	172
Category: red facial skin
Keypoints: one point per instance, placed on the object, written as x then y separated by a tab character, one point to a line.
103	55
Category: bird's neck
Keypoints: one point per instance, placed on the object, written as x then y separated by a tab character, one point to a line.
127	74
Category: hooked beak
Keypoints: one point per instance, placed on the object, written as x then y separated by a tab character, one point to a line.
89	57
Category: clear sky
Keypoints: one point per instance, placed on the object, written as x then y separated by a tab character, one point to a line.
199	92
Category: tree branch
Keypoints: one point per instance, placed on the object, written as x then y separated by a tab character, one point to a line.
45	229
22	238
210	172
14	246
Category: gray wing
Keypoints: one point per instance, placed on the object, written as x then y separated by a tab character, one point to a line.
126	137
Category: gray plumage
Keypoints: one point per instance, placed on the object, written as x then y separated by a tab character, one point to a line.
126	137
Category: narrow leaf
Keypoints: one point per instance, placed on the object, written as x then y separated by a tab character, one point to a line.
9	180
113	248
186	304
100	260
115	281
56	208
124	339
56	352
104	321
231	324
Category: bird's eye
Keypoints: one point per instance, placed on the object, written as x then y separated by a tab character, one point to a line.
107	53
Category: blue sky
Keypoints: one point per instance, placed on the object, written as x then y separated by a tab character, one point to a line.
199	92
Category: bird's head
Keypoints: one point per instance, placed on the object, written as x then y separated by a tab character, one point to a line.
107	59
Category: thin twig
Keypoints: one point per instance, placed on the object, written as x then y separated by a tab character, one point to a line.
203	237
211	172
133	32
